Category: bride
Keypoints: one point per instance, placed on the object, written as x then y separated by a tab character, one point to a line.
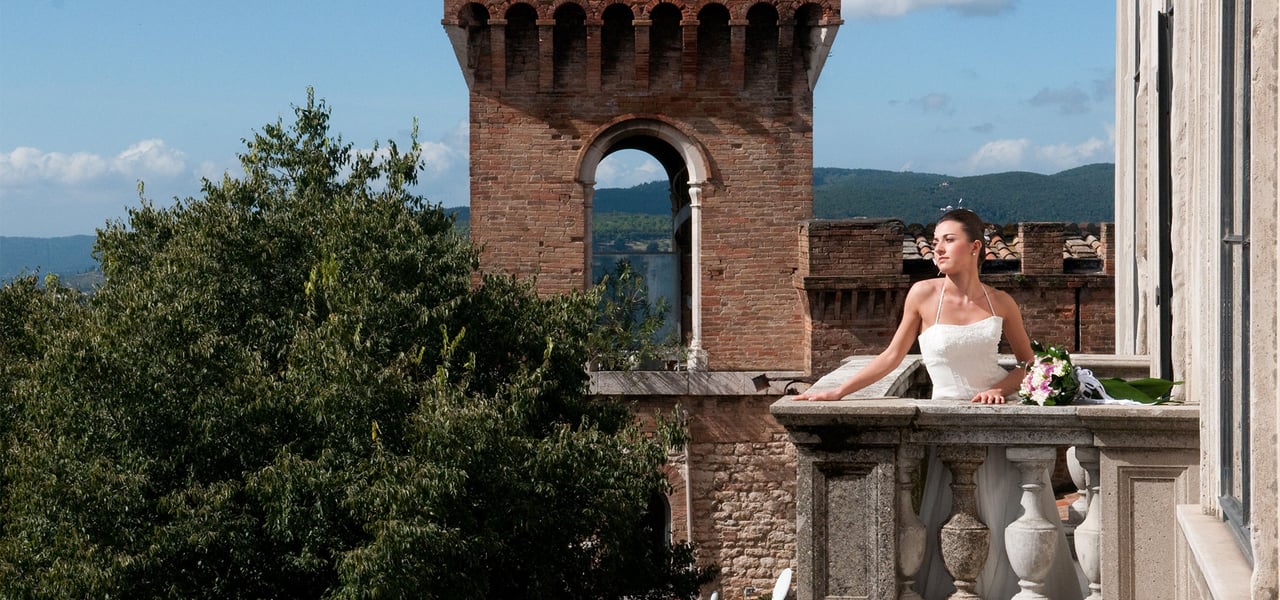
958	322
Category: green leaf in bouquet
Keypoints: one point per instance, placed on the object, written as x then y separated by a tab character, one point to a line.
1148	390
1153	386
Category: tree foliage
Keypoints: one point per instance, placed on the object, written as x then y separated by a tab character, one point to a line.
297	386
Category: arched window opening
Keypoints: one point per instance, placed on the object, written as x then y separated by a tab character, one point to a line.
522	48
569	44
665	47
805	42
475	19
657	521
617	48
713	46
640	220
762	48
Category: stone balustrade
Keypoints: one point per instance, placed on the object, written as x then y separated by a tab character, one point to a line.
857	461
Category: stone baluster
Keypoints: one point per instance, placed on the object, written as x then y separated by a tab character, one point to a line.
1089	533
964	538
1031	540
911	532
1077	509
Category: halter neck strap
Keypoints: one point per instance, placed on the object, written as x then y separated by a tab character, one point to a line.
943	295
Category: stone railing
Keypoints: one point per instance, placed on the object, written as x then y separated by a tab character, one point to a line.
859	537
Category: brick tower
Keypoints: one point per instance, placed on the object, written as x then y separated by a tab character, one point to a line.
720	94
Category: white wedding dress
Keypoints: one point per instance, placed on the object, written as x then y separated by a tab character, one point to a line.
961	360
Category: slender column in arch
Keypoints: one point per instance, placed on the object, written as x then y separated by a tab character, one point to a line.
588	192
697	356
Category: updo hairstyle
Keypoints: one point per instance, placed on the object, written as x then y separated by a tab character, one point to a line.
972	225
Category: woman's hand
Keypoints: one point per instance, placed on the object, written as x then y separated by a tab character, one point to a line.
991	396
820	395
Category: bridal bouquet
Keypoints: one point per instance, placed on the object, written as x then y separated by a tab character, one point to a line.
1052	380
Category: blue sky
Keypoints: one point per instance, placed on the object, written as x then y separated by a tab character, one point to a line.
95	96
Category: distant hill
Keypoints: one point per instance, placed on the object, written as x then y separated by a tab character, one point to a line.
1083	194
64	256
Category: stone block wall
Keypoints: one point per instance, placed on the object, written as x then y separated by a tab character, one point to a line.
741	485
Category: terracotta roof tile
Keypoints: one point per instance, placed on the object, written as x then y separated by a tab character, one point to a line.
1081	243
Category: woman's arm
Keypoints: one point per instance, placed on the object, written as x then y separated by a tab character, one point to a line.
1016	334
890	358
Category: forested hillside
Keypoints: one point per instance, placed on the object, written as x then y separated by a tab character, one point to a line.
1083	194
67	256
637	215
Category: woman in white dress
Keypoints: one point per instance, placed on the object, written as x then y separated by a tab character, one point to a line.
959	322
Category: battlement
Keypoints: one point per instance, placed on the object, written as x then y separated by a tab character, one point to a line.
570	47
854	275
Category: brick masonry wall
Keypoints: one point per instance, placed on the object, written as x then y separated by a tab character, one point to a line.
528	212
853	285
742	474
531	120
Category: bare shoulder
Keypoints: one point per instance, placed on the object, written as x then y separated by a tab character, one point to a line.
1003	302
924	288
922	293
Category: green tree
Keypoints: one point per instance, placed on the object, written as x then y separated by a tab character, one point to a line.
296	386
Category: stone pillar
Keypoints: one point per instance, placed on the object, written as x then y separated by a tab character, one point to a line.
911	532
697	355
642	53
1041	247
1089	533
689	58
737	53
588	194
1107	236
546	54
498	52
593	59
1031	540
965	539
786	63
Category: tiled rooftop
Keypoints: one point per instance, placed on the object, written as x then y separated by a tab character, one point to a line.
1081	243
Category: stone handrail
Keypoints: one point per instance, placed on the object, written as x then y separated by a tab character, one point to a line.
858	536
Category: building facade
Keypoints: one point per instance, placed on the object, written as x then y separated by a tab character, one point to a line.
1197	199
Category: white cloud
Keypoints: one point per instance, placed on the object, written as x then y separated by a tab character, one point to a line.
30	165
1022	155
628	168
147	158
1066	156
448	155
897	8
1000	155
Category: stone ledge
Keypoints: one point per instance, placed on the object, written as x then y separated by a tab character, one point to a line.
1216	561
691	383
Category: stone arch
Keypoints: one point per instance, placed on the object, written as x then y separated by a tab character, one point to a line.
569	46
688	169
